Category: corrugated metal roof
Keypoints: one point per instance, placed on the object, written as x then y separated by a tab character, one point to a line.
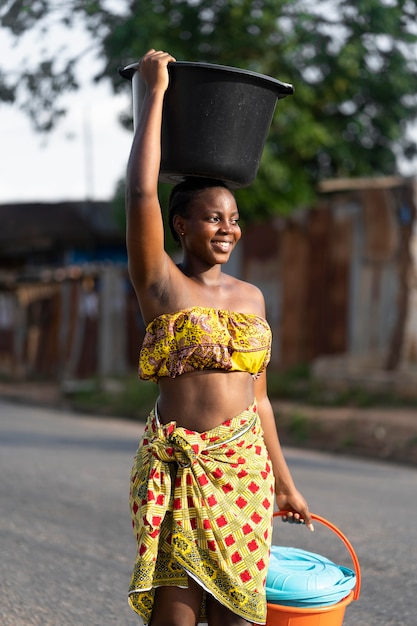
41	226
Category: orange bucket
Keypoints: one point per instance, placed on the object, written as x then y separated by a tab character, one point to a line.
332	615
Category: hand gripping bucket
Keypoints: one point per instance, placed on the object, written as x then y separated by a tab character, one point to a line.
332	615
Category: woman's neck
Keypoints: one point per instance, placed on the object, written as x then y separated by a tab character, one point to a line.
203	275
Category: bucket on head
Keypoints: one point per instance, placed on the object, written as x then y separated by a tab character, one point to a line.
331	615
215	120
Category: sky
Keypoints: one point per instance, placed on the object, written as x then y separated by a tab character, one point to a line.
84	157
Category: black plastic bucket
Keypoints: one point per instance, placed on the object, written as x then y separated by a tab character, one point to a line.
215	120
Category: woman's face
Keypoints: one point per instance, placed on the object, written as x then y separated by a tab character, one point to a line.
211	230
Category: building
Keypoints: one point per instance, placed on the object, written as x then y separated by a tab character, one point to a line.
340	280
66	304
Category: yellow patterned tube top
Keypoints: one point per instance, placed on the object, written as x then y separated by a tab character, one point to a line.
201	338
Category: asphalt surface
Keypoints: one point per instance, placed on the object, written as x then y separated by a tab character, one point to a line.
67	548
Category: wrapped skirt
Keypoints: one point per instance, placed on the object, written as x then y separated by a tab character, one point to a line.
202	506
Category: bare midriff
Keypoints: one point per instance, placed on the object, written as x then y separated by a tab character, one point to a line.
202	400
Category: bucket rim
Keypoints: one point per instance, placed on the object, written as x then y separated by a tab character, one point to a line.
283	89
272	606
345	540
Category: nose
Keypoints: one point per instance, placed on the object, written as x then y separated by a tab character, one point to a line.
225	226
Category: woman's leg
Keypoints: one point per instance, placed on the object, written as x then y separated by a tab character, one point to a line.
176	606
219	615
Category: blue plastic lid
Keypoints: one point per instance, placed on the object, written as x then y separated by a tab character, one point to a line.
300	578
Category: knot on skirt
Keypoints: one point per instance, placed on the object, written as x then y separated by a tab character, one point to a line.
175	448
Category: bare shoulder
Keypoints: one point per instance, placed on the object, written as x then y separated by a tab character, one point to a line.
246	297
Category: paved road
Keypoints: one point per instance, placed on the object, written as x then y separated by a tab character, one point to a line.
66	545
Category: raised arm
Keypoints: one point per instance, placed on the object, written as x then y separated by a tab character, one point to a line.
145	233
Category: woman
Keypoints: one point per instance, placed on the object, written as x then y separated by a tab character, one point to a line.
203	479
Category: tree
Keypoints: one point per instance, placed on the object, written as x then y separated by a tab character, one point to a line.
353	66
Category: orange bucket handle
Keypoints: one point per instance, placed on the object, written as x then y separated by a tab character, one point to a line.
341	536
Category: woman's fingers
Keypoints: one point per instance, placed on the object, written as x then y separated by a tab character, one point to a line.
295	518
153	68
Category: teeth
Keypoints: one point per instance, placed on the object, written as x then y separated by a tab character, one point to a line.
224	245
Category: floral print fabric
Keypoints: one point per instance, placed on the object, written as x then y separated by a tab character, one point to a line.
202	338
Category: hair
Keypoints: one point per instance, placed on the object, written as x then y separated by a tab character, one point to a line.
184	194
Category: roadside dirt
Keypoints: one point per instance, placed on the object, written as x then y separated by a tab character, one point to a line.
379	433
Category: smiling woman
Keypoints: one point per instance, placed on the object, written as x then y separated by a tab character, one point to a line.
185	193
206	469
204	208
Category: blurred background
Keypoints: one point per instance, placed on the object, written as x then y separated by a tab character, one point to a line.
329	224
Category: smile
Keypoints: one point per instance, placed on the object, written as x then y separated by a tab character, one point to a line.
225	246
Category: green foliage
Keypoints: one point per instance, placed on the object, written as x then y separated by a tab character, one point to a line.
132	399
299	427
353	66
297	384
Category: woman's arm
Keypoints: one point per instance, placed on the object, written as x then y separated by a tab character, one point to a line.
287	495
145	232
